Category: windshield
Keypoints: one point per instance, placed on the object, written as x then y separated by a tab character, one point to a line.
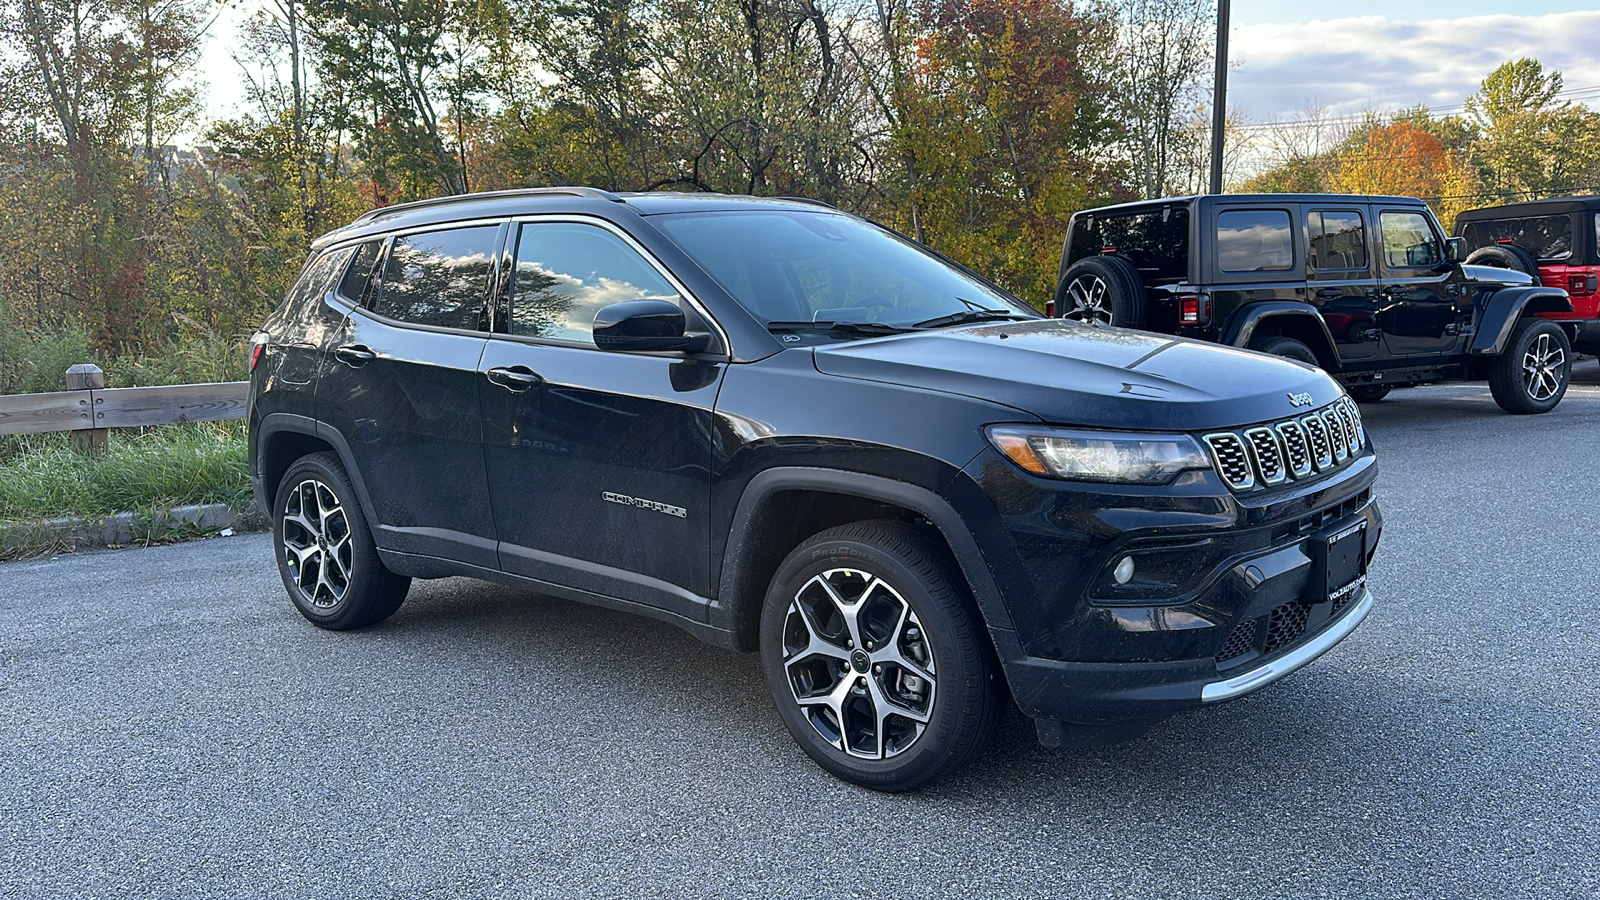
793	267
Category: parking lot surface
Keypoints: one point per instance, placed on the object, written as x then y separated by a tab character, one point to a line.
169	726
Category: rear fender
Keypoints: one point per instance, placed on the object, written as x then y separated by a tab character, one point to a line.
1302	323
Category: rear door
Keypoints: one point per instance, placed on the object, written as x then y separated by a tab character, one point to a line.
1419	306
599	461
401	387
1341	279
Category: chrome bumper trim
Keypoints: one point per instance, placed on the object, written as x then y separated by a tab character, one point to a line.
1292	661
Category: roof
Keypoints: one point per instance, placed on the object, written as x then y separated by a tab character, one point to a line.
1553	206
1257	198
497	204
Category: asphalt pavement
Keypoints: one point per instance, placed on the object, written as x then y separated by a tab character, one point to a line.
170	727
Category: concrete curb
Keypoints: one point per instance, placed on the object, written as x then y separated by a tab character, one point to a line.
74	533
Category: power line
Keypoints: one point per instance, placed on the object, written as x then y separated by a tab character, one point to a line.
1590	92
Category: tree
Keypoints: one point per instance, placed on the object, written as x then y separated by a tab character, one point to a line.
1533	144
1163	55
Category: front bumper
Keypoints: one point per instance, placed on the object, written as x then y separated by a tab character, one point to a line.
1094	668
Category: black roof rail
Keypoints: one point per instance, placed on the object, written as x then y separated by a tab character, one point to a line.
594	193
809	200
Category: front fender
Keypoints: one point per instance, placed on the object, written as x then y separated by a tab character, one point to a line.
1503	307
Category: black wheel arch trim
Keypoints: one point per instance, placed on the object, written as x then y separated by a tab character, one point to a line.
1243	324
1505	307
734	588
274	424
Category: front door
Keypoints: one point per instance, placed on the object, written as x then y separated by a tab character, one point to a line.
599	462
1418	306
401	386
1339	272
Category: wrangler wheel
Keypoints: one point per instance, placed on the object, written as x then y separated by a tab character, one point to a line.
875	658
1531	376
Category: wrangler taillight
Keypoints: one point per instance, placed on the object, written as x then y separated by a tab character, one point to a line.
1581	285
1193	309
1050	308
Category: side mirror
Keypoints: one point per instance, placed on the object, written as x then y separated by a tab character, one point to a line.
1455	249
644	326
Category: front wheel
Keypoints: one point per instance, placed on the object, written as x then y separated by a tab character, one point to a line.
878	664
325	550
1532	375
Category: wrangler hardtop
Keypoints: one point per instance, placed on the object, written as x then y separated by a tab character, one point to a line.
1368	288
1556	241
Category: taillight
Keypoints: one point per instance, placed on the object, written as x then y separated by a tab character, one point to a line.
1580	285
1050	308
258	346
1193	309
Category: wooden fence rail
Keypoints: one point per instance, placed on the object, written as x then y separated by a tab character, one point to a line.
90	407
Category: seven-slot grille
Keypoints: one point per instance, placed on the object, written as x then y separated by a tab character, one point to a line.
1291	449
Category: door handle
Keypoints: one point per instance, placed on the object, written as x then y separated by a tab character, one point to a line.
1329	293
515	379
355	355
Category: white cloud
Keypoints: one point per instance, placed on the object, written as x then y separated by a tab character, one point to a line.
1374	62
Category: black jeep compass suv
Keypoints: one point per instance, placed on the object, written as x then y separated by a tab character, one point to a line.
788	430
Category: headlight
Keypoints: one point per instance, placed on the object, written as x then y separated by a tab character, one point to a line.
1099	455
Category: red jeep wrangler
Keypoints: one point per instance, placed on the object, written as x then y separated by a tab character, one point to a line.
1557	242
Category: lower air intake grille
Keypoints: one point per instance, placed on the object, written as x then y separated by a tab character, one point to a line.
1241	641
1285	624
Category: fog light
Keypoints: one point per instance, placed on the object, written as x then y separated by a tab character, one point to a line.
1123	573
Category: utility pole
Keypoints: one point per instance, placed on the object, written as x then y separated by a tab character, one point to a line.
1219	97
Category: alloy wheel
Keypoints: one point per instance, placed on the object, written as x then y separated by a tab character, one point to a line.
1086	296
316	543
859	663
1541	368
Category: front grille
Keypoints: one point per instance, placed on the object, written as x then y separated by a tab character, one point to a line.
1285	624
1289	450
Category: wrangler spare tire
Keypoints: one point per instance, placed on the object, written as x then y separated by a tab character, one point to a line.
1102	290
1505	256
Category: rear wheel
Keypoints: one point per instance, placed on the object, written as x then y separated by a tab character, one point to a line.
1102	290
1287	347
878	665
1370	393
326	555
1531	376
1505	256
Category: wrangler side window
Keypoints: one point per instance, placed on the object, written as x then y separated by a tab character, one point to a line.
1254	240
1408	241
1338	239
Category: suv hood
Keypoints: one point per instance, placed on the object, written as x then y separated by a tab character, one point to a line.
1494	275
1071	374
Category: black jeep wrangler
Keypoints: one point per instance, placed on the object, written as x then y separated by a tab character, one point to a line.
1368	288
788	430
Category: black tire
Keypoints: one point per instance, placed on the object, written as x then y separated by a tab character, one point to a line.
356	590
1532	375
1370	393
1102	290
1286	347
1505	256
912	606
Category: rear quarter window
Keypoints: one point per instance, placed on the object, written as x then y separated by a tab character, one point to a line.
1546	237
1254	240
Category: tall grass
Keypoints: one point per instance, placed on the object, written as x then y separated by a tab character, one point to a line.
157	468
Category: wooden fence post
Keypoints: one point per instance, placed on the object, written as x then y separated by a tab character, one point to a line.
87	377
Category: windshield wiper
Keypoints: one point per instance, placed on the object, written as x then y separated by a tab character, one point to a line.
979	314
827	327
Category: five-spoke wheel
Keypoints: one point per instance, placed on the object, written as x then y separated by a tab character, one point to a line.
316	543
1085	301
1532	373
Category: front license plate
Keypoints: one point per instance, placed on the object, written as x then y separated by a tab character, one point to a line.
1344	560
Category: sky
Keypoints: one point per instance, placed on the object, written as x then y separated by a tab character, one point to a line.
1370	54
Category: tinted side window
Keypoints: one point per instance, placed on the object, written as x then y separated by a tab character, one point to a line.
567	271
353	286
1254	240
1546	237
1156	243
317	278
1338	239
1408	241
439	278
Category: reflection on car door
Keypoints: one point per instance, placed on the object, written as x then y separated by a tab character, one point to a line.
1417	298
599	461
401	386
1339	270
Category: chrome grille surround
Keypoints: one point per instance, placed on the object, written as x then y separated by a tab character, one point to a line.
1288	450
